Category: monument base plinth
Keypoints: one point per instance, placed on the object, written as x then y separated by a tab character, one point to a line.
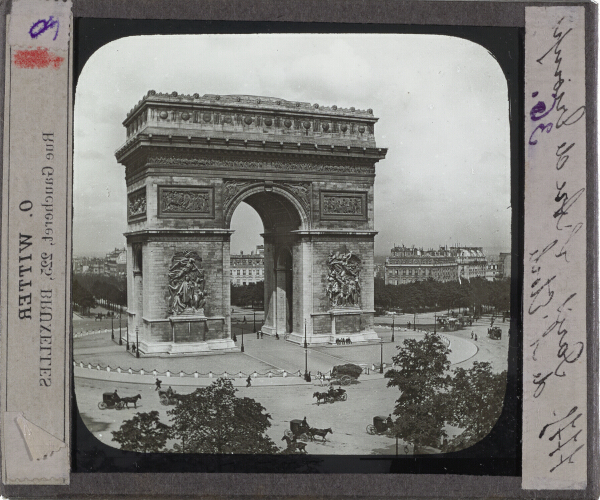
208	347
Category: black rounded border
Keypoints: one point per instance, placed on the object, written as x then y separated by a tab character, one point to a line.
499	454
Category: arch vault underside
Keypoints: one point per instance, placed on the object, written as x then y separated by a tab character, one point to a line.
308	171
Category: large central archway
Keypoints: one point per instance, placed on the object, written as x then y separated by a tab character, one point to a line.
282	216
307	170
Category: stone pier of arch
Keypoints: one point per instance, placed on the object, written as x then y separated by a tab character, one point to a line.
307	170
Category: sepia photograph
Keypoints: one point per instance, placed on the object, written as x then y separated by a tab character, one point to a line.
291	244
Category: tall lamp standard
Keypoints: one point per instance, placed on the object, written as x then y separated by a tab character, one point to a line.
137	342
112	329
381	358
414	321
242	349
305	353
393	320
120	323
127	343
254	315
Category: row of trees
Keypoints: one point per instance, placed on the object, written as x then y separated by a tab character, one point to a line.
431	396
210	420
432	295
246	295
88	287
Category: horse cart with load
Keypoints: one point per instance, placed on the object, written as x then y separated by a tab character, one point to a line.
111	400
345	374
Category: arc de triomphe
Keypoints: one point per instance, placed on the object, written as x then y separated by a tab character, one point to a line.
307	170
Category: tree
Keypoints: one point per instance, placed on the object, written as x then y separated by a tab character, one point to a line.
422	378
82	297
476	398
143	433
213	420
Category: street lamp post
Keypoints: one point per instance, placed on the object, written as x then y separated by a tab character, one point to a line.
137	342
121	337
112	329
242	349
120	324
127	343
414	321
305	343
305	364
393	321
381	358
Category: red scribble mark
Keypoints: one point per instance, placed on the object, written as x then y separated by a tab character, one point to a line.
37	58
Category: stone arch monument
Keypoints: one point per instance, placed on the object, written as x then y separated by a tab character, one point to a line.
307	170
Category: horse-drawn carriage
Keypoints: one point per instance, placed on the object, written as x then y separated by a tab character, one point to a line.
300	430
111	400
331	396
170	397
495	333
381	425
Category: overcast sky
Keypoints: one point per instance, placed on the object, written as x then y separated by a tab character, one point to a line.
442	104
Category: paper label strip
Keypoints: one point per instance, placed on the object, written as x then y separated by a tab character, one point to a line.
36	244
554	284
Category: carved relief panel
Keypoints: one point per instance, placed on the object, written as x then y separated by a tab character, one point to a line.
344	205
136	205
186	202
343	279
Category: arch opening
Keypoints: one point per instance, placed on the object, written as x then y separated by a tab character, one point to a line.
280	217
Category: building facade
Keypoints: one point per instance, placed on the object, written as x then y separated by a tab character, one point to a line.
407	265
410	264
248	268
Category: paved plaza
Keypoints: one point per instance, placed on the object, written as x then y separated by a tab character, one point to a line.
285	398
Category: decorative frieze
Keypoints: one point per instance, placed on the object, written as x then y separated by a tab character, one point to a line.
187	202
136	205
343	205
177	160
343	279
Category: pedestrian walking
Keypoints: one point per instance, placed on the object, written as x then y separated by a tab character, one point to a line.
244	319
261	334
475	337
471	333
249	381
158	382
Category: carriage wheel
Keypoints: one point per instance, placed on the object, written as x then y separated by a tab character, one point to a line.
120	405
164	400
288	433
346	380
331	400
102	405
371	429
344	396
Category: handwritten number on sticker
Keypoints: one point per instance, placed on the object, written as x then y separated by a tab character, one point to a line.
44	25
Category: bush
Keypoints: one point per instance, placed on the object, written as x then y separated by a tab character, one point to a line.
349	369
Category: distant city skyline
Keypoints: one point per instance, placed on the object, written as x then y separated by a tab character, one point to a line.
442	104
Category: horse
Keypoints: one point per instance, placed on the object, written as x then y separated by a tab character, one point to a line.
294	445
131	399
319	432
321	395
